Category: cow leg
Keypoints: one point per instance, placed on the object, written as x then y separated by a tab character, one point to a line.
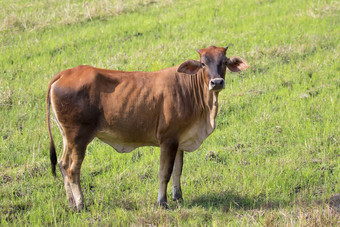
167	158
72	171
70	165
68	189
65	157
176	177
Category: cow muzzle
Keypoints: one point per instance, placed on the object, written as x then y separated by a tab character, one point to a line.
216	84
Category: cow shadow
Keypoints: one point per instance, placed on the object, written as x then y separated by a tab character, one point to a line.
230	200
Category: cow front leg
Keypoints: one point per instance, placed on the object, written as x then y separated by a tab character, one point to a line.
176	177
168	153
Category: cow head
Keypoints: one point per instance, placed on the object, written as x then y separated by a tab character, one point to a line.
213	62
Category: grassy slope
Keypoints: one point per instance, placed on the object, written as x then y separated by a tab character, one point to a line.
273	159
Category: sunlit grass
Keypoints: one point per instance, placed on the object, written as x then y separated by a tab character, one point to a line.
273	159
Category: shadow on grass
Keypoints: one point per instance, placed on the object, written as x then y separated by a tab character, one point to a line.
230	200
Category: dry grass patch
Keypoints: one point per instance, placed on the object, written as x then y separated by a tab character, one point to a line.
18	15
6	95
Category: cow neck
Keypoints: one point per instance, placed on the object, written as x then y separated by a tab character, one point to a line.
205	99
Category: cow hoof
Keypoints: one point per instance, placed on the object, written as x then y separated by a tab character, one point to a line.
177	194
72	203
163	204
179	199
79	208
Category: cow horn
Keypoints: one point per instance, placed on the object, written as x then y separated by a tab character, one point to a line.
198	50
226	48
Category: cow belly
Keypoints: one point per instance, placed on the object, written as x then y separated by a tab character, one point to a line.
119	144
120	147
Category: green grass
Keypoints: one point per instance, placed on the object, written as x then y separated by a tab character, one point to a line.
273	159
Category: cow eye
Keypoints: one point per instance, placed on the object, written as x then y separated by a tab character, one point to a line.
203	65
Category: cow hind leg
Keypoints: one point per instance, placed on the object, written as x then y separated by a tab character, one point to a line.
176	176
67	185
65	157
70	168
70	165
167	158
68	189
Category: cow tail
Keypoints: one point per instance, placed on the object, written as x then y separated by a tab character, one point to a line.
53	154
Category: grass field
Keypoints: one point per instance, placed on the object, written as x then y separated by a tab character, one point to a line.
273	159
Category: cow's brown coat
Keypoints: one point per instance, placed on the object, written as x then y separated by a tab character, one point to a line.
174	108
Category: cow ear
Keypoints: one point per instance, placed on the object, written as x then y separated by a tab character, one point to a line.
189	67
236	64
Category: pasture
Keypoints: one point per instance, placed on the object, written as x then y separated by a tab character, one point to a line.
273	158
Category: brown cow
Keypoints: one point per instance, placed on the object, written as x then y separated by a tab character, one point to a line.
174	108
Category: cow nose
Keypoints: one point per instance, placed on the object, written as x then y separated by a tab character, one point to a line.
216	84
